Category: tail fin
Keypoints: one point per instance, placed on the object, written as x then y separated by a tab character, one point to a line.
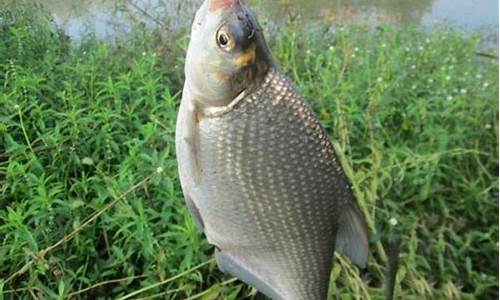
352	235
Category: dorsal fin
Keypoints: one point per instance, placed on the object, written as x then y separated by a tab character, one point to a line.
352	235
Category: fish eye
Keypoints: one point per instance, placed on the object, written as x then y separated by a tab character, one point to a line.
224	39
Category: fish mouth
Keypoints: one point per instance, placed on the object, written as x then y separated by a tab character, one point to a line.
215	5
240	11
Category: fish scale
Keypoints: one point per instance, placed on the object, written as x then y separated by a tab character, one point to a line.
259	174
276	202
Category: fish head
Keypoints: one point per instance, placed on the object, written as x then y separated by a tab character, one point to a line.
227	53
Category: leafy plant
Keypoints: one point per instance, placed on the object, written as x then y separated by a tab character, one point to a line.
90	200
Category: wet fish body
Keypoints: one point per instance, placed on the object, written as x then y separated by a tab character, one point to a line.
262	181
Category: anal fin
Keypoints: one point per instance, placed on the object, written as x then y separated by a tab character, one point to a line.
242	269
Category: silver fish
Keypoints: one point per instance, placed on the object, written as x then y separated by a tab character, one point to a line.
259	174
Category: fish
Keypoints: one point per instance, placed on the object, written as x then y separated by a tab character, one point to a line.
259	174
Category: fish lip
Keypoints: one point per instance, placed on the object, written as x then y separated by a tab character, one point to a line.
215	5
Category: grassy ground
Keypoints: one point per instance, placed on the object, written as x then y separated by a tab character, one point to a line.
89	195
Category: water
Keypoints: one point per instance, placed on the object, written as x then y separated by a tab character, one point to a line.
111	18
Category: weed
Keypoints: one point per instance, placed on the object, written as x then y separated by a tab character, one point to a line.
414	114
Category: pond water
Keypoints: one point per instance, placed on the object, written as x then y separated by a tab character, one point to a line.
109	18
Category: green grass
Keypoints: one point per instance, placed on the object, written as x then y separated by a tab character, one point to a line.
90	200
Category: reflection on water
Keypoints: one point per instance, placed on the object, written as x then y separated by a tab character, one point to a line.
108	18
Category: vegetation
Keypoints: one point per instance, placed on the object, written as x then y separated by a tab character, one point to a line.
90	200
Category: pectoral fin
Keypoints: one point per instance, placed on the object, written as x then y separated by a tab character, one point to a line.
352	235
195	213
187	149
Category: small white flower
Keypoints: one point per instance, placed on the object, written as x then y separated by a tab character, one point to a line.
413	67
331	48
431	80
488	126
420	48
407	49
353	55
16	107
486	84
448	78
84	52
143	53
379	79
393	221
463	91
427	41
159	170
479	76
466	74
449	98
308	51
342	29
356	49
384	45
87	161
413	87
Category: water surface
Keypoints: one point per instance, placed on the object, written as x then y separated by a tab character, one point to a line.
111	18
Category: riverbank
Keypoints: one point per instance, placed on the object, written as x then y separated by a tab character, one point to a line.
91	203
